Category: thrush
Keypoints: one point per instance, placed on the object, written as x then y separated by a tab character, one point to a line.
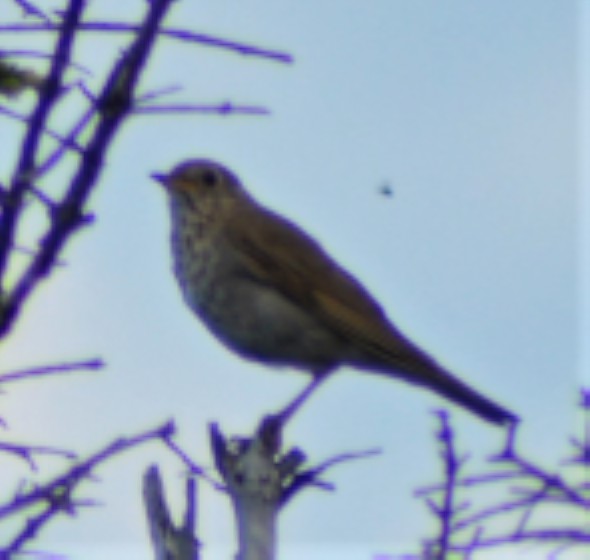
271	293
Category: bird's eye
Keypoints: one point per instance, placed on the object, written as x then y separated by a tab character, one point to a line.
209	178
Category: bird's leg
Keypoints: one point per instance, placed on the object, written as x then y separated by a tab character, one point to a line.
318	378
271	427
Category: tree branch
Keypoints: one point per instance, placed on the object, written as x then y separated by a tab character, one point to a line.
26	452
170	542
226	108
180	34
57	495
93	364
113	104
26	166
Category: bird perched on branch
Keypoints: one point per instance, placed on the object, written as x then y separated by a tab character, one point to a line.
272	294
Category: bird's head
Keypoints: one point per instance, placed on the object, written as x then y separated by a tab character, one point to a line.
201	185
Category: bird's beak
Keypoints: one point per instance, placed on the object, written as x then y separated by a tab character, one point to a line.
161	178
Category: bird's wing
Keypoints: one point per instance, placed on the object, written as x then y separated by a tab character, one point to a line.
278	253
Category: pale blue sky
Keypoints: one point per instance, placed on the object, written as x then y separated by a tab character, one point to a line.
471	112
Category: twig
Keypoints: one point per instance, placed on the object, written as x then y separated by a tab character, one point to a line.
552	481
33	253
37	124
539	535
93	364
157	93
71	138
550	490
222	109
30	9
169	541
311	477
114	104
42	197
77	473
57	494
447	512
469	481
193	468
181	34
26	453
55	135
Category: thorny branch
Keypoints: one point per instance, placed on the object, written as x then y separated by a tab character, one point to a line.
57	495
538	491
261	478
27	452
170	541
113	105
24	173
107	111
93	364
180	34
29	9
222	109
448	510
82	470
55	135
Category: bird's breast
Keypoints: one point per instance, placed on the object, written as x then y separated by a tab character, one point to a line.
253	319
195	261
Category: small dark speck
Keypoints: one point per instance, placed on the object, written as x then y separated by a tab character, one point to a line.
386	190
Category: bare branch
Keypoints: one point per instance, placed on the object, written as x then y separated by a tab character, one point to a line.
537	490
169	542
226	108
68	144
26	165
93	364
261	479
29	9
180	34
27	452
311	477
33	253
57	495
193	467
438	548
113	104
157	93
76	131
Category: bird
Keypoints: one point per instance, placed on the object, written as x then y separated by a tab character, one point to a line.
271	293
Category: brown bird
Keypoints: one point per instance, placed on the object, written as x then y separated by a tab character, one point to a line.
272	294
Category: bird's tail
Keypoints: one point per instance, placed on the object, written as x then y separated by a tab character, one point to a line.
418	368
